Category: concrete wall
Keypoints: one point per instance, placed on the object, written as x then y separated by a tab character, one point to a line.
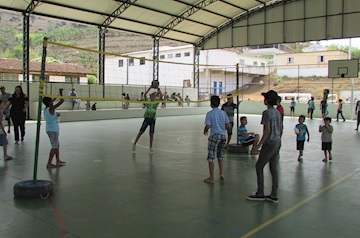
112	110
245	108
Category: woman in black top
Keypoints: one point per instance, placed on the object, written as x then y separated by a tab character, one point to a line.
19	104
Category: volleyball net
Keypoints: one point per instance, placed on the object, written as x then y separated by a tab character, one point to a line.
128	77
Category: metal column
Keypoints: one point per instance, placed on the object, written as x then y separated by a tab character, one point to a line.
101	59
156	59
196	82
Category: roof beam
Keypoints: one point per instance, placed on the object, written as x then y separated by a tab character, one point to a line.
241	17
212	12
184	16
134	4
110	27
125	5
100	13
233	5
172	15
32	6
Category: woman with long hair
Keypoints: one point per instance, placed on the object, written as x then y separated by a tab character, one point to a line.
19	105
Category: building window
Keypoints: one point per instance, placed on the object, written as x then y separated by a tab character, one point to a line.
321	59
186	83
121	63
263	64
242	62
177	55
142	61
187	54
170	56
162	56
290	60
131	62
255	63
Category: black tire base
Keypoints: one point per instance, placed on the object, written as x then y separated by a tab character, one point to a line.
237	149
29	189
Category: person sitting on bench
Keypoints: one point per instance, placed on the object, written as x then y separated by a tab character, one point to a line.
246	138
75	102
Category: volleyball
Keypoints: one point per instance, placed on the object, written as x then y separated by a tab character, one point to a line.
297	131
155	84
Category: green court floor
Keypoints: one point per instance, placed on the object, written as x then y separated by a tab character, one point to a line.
105	190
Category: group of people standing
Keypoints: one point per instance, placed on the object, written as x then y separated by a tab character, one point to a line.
217	121
13	107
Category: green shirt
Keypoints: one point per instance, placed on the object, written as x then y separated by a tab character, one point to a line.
151	110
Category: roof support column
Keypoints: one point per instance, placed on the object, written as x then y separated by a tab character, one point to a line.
26	46
101	59
156	59
196	67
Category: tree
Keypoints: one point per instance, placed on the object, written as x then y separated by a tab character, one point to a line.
91	79
355	52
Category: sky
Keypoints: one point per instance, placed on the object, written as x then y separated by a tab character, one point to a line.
355	42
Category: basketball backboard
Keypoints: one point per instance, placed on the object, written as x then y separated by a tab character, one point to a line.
343	68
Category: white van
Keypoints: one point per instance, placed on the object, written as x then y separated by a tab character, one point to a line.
299	97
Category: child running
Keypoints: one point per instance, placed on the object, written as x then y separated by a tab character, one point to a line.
301	130
52	129
247	138
326	138
218	121
3	139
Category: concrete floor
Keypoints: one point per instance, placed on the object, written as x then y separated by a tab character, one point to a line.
107	191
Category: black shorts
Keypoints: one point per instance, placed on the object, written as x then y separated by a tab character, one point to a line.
292	109
300	144
230	130
148	122
326	145
248	141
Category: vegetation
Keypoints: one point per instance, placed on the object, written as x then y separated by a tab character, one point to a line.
91	79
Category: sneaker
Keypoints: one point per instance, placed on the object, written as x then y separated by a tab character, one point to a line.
255	197
271	199
134	148
324	160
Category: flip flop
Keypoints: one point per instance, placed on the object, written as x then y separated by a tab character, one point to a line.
8	158
209	181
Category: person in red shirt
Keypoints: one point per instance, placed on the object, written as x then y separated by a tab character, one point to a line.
280	108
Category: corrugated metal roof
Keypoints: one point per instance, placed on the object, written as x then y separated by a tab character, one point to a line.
187	21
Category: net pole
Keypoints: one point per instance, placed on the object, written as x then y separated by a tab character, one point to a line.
41	91
237	102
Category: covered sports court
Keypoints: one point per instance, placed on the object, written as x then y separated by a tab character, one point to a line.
105	190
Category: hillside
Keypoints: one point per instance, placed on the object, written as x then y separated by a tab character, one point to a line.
314	86
69	33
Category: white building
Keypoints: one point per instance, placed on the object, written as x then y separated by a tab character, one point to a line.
217	68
